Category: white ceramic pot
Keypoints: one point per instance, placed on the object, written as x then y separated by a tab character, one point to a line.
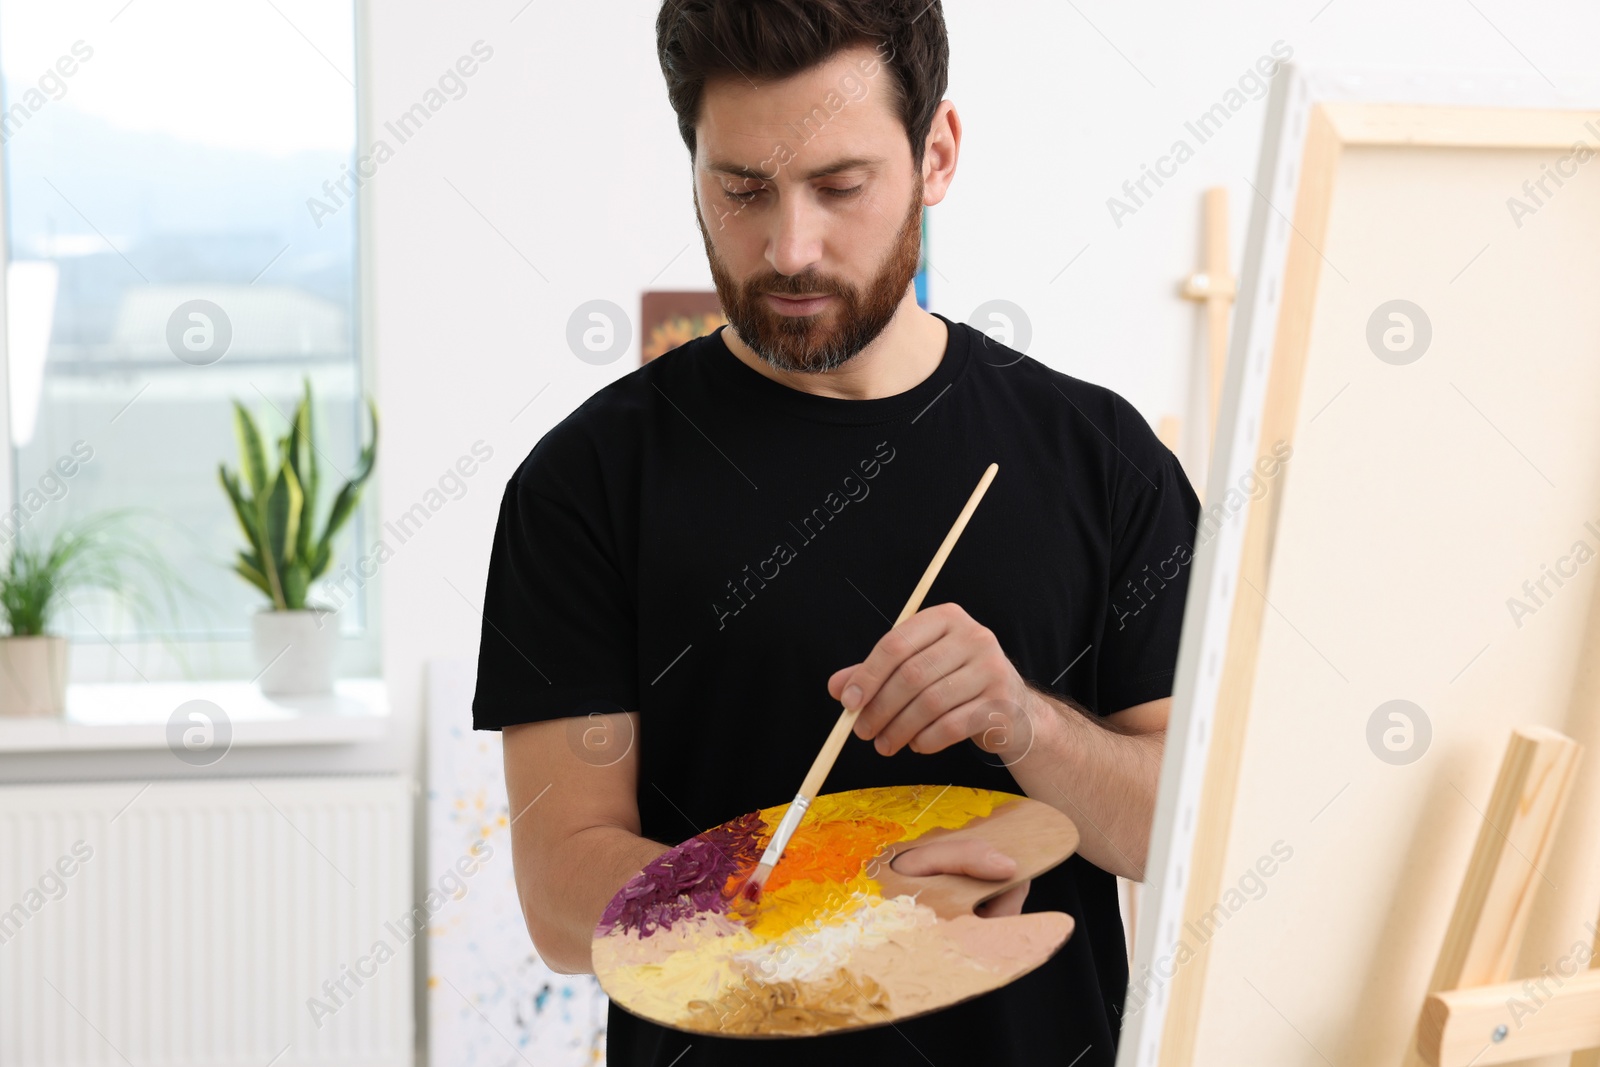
295	651
33	676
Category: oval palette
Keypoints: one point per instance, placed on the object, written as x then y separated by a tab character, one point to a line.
838	940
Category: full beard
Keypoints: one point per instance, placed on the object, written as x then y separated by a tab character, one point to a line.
825	341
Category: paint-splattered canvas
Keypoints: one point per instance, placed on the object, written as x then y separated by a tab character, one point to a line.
838	940
491	1000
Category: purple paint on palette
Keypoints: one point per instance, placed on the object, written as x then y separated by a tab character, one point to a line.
686	880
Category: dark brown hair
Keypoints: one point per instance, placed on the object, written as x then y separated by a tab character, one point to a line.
698	40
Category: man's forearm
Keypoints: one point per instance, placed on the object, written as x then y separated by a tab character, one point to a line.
563	903
1103	779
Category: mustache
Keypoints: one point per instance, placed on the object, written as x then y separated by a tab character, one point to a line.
795	285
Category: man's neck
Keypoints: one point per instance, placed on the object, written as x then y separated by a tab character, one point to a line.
903	355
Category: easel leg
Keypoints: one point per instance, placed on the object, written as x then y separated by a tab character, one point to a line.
1590	1057
1502	879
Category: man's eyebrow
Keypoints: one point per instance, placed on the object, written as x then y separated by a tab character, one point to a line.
740	170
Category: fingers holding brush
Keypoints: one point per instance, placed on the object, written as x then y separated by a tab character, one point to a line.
934	680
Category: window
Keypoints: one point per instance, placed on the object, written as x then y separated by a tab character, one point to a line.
164	256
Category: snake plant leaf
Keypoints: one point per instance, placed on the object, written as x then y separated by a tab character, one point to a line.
322	556
314	488
245	512
283	515
303	458
245	568
252	454
349	495
344	504
369	455
295	582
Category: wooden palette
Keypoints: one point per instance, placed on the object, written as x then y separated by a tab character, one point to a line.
838	940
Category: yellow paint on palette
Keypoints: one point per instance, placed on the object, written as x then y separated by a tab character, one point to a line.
917	808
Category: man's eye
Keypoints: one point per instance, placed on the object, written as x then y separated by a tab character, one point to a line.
742	197
844	193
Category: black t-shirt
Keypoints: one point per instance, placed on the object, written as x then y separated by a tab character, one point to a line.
705	546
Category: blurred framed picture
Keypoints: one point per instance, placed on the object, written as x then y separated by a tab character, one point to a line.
667	320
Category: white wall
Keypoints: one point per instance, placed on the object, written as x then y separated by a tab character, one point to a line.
559	178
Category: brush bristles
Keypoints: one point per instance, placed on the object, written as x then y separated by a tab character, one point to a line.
758	881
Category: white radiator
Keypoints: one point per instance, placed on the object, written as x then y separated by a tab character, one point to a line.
204	924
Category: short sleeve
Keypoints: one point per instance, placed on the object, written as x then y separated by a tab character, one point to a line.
1154	517
558	625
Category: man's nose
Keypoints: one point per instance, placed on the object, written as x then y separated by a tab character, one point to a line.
797	243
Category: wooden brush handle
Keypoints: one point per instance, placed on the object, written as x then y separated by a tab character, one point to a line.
830	752
847	721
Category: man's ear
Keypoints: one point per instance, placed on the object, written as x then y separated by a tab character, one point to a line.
940	153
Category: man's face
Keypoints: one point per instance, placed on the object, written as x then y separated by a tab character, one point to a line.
830	207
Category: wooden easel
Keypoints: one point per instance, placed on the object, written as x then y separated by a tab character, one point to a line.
1214	287
1474	1014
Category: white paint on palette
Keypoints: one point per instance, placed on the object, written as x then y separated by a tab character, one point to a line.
491	1000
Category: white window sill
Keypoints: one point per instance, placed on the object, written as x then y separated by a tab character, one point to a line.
134	716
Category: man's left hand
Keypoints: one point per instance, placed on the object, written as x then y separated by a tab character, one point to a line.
969	856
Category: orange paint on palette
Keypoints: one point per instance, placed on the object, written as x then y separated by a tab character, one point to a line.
825	865
832	851
843	832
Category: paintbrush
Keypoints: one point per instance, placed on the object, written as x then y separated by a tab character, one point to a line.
847	720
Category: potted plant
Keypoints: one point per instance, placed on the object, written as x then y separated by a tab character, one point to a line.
99	552
295	640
